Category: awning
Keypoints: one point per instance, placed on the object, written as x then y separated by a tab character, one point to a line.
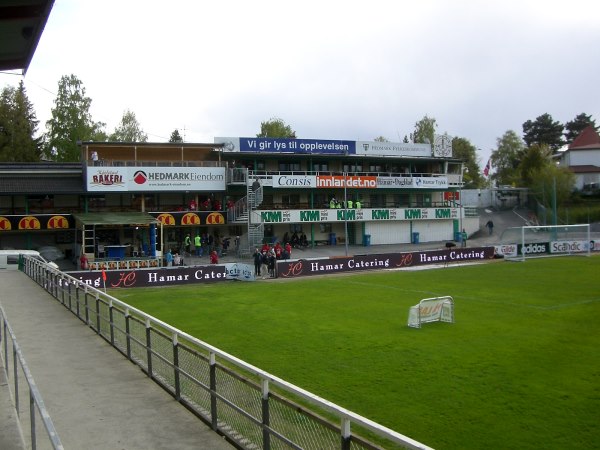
115	218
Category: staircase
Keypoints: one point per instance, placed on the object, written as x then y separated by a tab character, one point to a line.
240	214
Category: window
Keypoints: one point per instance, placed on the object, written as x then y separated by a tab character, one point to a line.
321	167
401	200
325	227
290	200
377	201
353	167
296	228
289	166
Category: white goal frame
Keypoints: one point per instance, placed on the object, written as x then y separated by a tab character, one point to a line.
562	240
435	309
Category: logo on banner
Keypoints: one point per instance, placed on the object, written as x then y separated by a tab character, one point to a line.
140	177
29	223
215	219
190	219
107	177
58	222
166	219
5	224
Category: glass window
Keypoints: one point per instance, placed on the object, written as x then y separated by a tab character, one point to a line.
289	166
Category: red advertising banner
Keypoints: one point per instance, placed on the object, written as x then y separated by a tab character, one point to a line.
349	181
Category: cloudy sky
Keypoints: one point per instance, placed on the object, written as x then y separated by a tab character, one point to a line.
331	69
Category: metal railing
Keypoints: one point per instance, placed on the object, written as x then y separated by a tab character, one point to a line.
37	409
250	407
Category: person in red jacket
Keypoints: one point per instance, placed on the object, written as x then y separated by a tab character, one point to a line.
214	258
288	250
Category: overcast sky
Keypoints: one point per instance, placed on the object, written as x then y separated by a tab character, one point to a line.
330	69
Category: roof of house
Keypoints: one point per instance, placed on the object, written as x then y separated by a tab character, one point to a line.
587	139
588	168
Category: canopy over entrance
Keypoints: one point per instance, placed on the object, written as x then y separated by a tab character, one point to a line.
115	218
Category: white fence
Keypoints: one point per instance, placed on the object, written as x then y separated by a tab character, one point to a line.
234	397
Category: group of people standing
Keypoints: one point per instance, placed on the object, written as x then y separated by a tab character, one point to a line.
266	258
350	204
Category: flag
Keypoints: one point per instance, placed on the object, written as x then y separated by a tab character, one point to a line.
488	166
103	275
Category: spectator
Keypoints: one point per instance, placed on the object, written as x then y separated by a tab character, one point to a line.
214	258
257	257
188	243
264	264
490	226
177	260
169	258
288	250
198	244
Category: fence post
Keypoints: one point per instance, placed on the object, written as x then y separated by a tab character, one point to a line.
98	313
346	433
266	422
110	322
32	420
149	347
16	375
127	335
69	294
213	390
176	367
77	300
86	306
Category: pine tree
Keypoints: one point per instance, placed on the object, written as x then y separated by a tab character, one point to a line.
18	126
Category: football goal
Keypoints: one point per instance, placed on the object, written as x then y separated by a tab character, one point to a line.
437	309
554	240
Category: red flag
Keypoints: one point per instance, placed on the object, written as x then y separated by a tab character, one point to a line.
488	166
103	275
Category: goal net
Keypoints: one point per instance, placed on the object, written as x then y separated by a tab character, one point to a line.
438	309
552	240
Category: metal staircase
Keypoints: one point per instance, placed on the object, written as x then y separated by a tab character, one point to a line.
241	213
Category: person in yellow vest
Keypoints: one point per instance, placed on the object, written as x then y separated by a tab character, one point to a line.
198	244
349	204
357	204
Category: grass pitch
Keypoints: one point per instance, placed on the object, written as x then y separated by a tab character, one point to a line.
519	369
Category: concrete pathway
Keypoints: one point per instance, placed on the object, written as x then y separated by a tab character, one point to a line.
96	398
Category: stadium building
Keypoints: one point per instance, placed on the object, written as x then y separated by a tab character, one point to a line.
135	200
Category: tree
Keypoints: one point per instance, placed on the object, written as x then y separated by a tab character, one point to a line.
544	130
551	180
18	125
381	139
71	121
424	131
506	158
128	130
276	128
463	149
175	136
536	159
577	125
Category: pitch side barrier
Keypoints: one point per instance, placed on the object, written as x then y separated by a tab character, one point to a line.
37	408
236	399
357	263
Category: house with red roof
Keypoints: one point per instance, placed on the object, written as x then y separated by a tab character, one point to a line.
583	159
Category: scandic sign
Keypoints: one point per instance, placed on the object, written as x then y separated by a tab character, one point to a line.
322	266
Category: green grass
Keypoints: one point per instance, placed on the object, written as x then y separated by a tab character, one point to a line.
519	368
